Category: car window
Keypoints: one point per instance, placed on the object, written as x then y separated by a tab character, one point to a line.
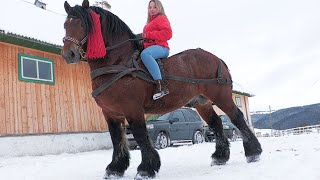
153	117
191	116
179	115
164	117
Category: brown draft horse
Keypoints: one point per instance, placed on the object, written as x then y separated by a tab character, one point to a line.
126	96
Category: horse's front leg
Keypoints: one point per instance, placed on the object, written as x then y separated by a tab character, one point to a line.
120	158
150	158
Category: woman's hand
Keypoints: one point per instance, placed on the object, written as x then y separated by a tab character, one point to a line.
145	35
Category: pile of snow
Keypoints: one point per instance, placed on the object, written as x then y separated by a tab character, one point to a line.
53	144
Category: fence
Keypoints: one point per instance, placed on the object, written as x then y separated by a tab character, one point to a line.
297	130
292	131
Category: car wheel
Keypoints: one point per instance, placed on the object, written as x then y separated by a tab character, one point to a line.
233	136
198	137
162	141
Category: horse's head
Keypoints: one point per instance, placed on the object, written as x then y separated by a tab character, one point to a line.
89	30
77	27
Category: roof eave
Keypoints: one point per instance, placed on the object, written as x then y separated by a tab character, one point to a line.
29	42
243	93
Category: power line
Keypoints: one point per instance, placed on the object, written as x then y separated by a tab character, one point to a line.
44	9
315	83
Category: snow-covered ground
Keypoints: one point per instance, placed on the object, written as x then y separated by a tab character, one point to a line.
293	157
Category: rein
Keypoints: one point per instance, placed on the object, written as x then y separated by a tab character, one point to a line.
134	69
121	43
84	40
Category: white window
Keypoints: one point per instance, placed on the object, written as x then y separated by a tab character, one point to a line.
36	69
238	101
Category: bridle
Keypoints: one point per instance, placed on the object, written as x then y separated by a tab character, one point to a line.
78	44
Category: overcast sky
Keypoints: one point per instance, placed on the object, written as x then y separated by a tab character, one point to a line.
272	47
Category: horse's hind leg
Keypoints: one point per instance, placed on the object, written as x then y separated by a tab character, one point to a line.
121	157
150	158
222	153
251	144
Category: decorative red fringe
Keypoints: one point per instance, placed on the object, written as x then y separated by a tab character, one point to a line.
96	47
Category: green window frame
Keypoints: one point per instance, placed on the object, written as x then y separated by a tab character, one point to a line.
36	69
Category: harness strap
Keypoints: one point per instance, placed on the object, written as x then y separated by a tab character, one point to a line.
107	70
135	71
199	81
105	85
219	69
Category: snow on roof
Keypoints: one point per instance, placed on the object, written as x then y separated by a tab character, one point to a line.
26	19
241	89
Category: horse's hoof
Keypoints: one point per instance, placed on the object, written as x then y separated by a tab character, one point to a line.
218	162
143	176
112	175
253	158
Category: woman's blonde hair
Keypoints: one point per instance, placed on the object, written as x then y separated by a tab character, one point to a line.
160	8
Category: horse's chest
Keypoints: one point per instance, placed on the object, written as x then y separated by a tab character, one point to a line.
120	91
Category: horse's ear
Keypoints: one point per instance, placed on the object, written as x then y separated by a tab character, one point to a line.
85	4
67	7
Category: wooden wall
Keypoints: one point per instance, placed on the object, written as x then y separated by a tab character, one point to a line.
33	108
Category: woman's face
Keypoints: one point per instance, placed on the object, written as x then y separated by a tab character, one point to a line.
153	10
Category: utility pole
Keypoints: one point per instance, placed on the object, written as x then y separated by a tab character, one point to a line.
270	120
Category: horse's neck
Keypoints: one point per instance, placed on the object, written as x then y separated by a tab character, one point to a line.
118	56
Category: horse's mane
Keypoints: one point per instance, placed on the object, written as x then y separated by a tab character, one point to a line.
114	27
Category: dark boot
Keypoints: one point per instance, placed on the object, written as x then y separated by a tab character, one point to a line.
161	90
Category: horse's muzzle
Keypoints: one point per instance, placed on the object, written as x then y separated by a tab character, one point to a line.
71	56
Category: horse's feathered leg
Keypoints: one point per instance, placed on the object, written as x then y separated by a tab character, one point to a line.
150	158
222	153
120	158
251	144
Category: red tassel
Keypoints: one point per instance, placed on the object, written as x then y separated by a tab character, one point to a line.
96	47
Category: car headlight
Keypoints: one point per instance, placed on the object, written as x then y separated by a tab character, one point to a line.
150	126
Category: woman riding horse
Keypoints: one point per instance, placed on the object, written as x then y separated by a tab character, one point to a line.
124	91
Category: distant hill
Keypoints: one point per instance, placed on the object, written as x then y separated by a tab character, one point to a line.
288	118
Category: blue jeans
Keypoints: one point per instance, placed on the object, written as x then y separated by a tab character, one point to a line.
149	56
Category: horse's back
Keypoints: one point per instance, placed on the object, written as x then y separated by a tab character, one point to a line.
194	63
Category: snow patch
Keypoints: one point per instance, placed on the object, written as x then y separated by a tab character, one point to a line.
53	144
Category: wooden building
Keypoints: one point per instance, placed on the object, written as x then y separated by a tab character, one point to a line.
32	104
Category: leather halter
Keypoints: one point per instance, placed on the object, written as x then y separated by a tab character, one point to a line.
78	44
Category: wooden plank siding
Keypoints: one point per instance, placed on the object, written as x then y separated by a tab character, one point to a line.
34	108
